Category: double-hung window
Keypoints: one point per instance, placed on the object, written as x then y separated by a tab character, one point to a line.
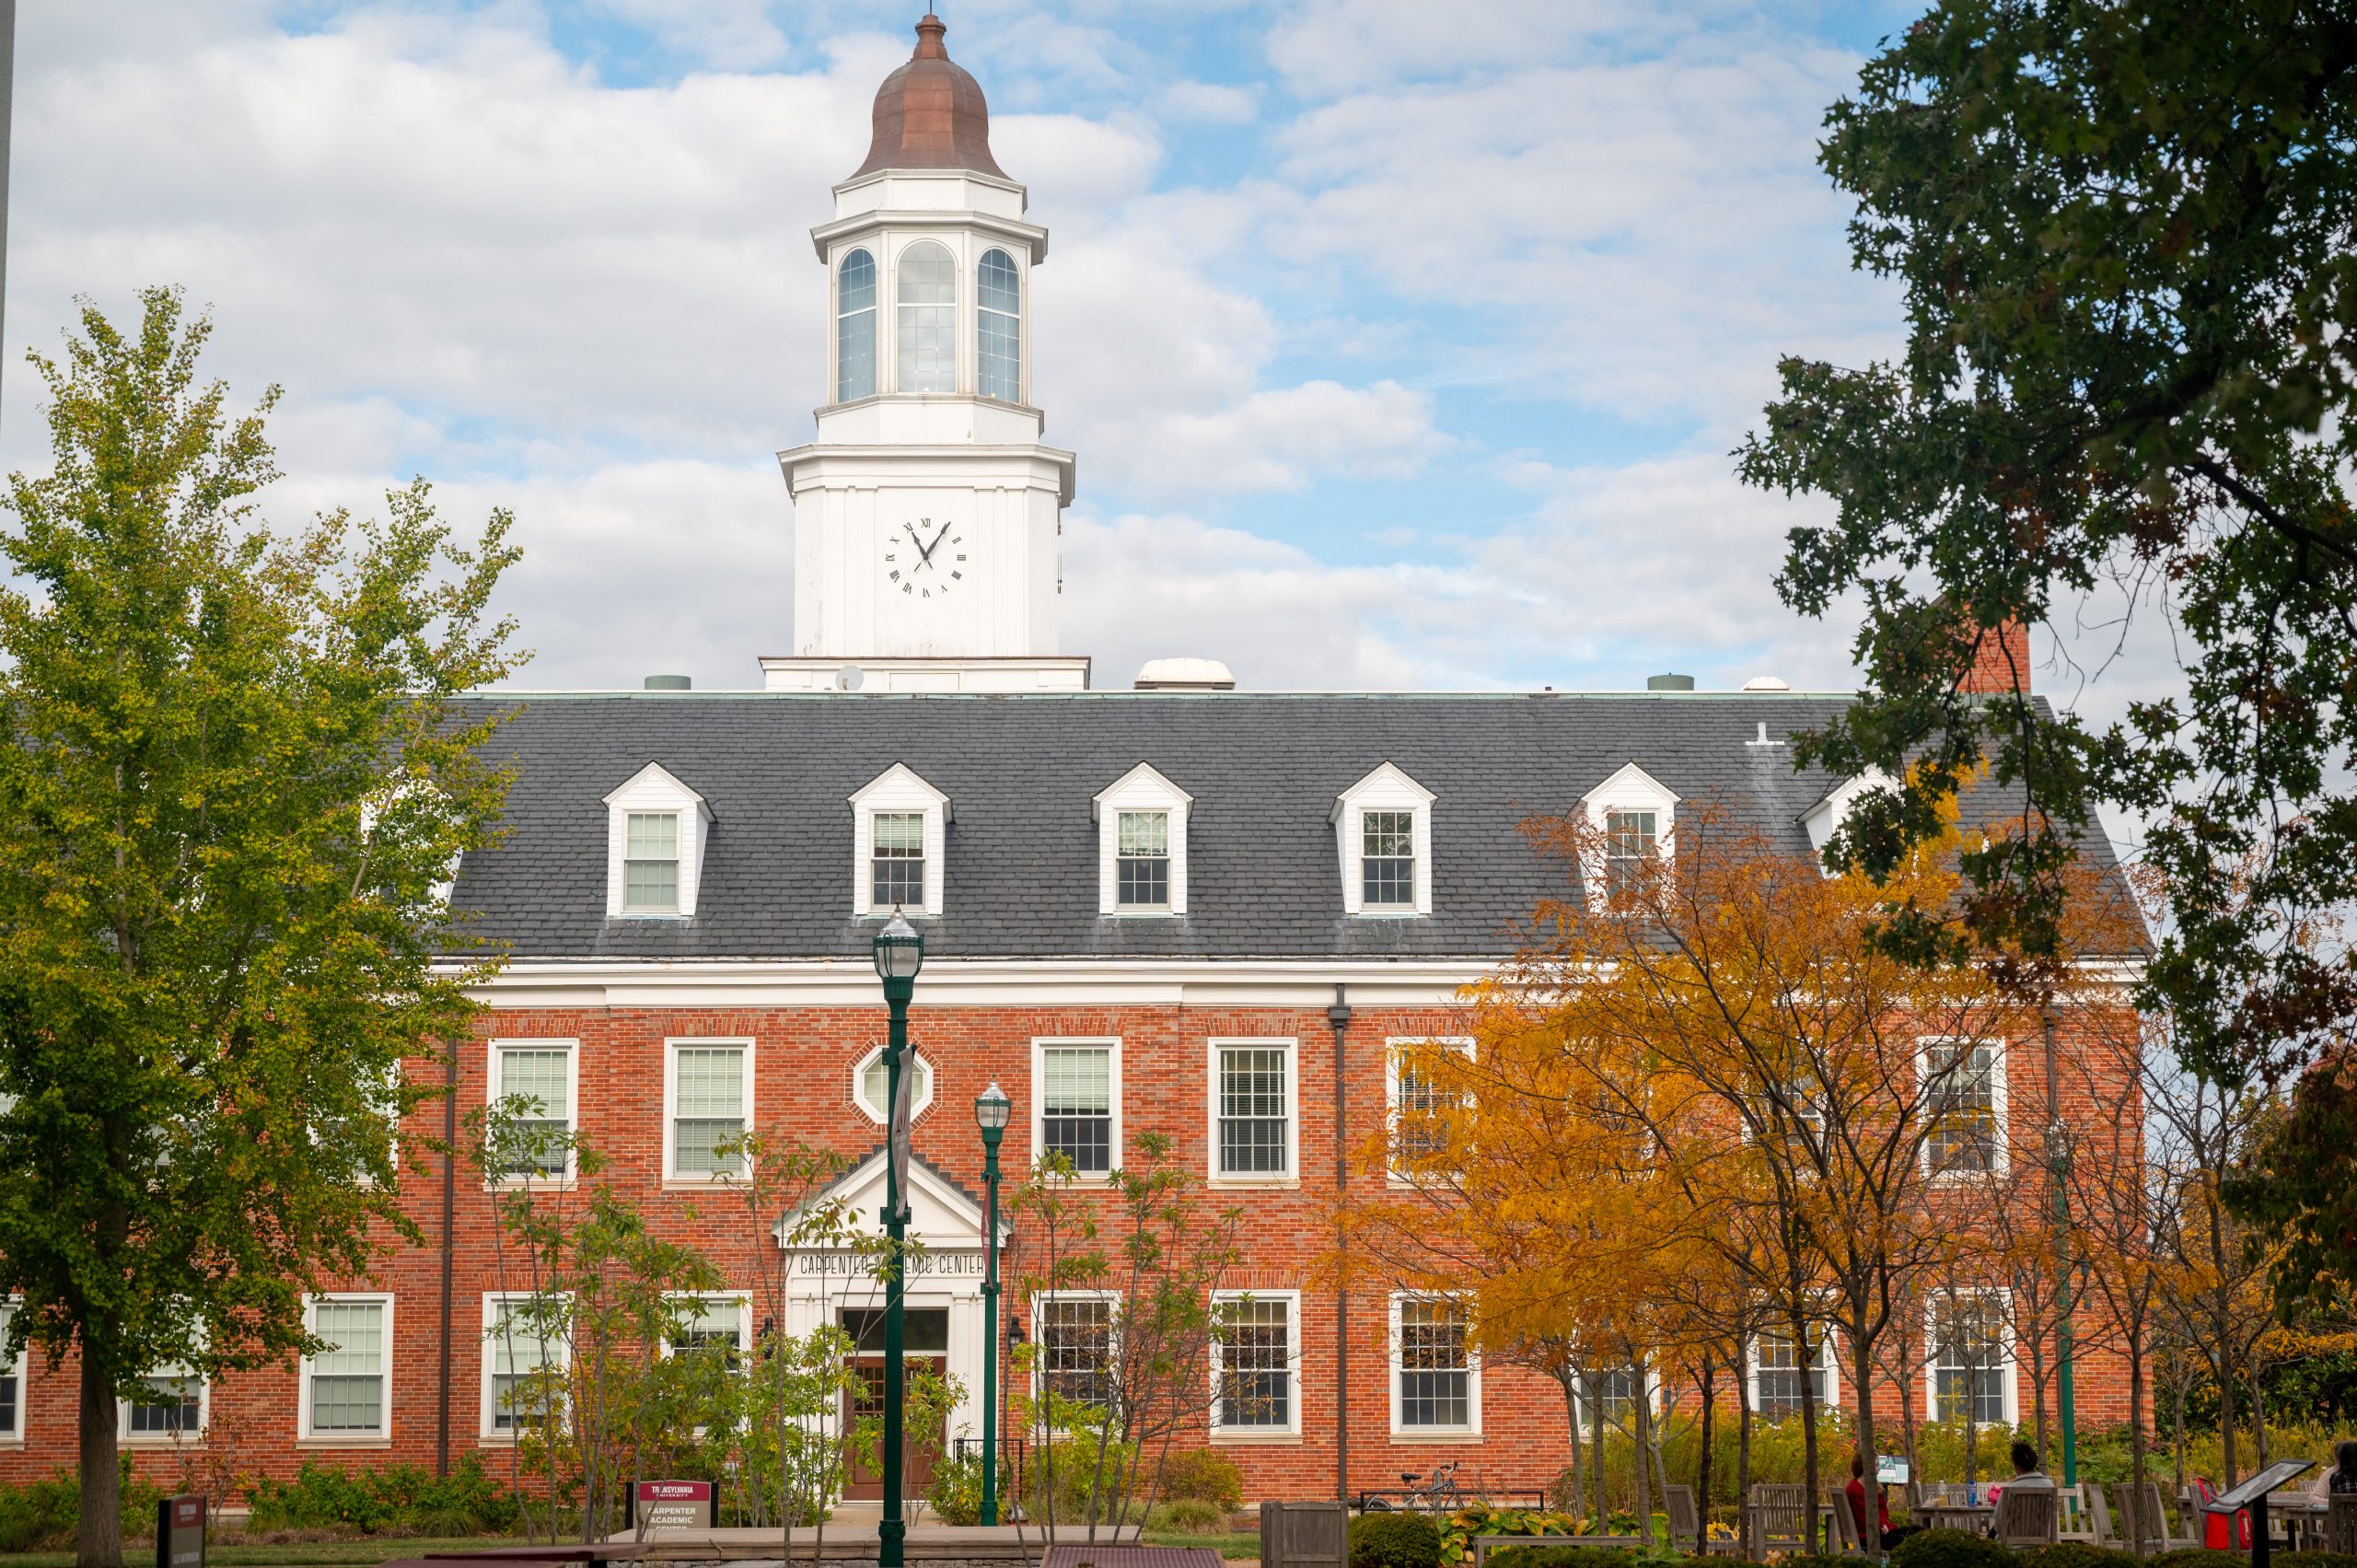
1076	1349
1076	1083
710	1090
1141	866
519	1364
1971	1363
1256	1364
346	1382
1964	1097
1432	1367
1387	860
651	863
12	1381
1422	1101
1252	1090
170	1405
714	1324
897	861
532	1081
1778	1365
1629	841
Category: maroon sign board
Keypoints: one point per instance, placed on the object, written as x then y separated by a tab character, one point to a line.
665	1508
180	1531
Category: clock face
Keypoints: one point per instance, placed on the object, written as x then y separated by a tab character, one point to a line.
924	559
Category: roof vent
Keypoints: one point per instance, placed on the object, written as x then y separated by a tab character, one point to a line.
669	683
1767	684
1669	683
1185	675
851	677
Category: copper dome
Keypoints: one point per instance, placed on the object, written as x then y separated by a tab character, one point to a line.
929	113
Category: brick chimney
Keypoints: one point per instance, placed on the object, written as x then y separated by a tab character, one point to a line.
2000	661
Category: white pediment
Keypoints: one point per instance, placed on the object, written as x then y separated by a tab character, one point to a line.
1829	814
941	1217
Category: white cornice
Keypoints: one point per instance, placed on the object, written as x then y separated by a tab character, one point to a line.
1030	236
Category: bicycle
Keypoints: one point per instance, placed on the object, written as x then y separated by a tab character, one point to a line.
1435	1495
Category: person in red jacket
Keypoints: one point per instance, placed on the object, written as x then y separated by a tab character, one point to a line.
1856	1491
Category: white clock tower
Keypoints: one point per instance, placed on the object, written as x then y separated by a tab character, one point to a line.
927	512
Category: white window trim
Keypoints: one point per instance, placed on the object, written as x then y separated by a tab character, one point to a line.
1388	788
1112	1335
559	1351
127	1438
1291	1431
1588	1412
738	1299
672	1048
383	1435
1393	1048
2004	1339
2001	1160
12	1436
1824	1332
1631	788
1290	1175
1472	1431
1112	1045
655	789
1142	788
493	1078
897	788
920	1100
1830	813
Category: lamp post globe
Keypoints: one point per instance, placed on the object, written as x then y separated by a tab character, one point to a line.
992	1112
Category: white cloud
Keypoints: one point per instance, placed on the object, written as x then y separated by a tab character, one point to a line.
729	34
1211	103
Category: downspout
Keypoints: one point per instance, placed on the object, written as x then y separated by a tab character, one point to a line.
450	1245
1339	1015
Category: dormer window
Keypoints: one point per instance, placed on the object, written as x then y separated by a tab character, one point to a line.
899	829
1631	841
1383	832
1141	845
1632	813
655	831
1828	815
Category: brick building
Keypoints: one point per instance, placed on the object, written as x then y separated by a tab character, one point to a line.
1209	914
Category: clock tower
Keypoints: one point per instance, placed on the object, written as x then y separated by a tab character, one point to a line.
927	511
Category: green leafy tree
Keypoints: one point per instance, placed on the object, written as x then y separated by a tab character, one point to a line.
233	779
2124	231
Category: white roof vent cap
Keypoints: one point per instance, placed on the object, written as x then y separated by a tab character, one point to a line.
1185	675
1767	684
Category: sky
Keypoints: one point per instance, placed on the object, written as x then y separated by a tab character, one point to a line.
1403	343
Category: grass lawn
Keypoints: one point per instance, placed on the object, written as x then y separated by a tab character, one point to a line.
367	1549
1245	1544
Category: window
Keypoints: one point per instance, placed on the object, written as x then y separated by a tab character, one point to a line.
1388	859
1964	1099
711	1093
651	863
1383	831
1777	1368
1609	1396
898	860
534	1079
1252	1093
928	321
12	1381
654	838
1076	1349
998	348
346	1383
515	1362
1971	1362
1420	1105
170	1405
1143	866
1432	1373
1142	846
856	327
711	1323
1255	1364
1075	1085
1628	842
872	1086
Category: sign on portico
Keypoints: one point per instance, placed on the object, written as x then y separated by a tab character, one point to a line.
955	1264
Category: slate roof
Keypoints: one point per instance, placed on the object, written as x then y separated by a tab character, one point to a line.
1019	771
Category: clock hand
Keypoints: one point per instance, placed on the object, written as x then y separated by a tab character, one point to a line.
936	540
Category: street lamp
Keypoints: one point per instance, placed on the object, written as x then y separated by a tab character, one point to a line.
991	1109
900	954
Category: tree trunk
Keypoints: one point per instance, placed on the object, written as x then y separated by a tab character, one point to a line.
1640	1435
1742	1458
2230	1460
1596	1450
1569	1378
1810	1467
2180	1435
2136	1439
1702	1463
98	1537
2258	1423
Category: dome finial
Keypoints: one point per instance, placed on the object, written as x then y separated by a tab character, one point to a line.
930	32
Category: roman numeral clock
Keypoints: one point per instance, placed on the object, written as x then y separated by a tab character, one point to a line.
925	559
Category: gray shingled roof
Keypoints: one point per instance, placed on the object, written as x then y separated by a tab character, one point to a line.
1020	772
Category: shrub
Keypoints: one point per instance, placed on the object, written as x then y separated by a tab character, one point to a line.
2195	1557
1818	1560
2315	1558
1188	1517
1567	1557
956	1495
1203	1475
1394	1540
398	1499
2081	1554
1950	1549
1482	1519
1073	1469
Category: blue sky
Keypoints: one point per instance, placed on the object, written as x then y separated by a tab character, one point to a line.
1403	344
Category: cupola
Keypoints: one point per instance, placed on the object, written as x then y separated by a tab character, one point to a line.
929	113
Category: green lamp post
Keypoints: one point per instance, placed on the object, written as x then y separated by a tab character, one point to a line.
900	954
992	1110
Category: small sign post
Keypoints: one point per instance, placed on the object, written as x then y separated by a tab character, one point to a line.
675	1508
180	1531
2252	1494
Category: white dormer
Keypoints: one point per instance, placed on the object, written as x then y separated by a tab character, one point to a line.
1632	813
1822	819
900	830
1140	844
655	830
1383	837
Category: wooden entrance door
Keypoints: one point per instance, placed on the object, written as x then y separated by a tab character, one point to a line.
864	1402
